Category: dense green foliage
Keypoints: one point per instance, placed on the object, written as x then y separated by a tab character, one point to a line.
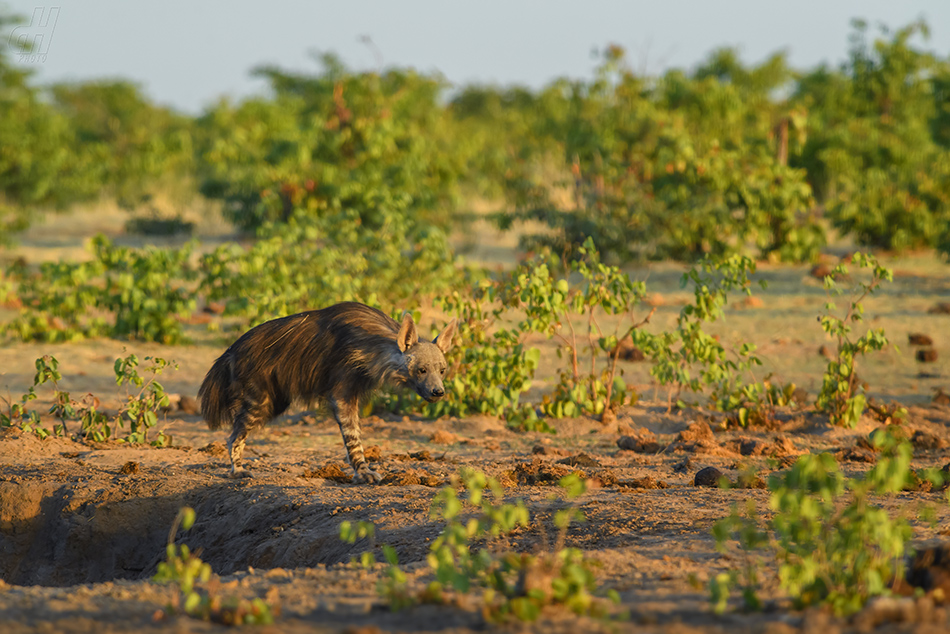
725	158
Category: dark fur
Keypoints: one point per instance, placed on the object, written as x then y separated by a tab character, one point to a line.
338	355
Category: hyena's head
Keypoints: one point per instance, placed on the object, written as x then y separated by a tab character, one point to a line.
425	362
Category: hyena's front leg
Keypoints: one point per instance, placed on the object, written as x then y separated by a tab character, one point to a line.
347	417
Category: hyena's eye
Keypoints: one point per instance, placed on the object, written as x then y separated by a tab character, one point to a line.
422	370
442	371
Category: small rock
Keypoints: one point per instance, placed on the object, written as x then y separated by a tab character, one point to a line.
547	450
930	569
129	468
855	454
941	308
707	477
639	444
646	482
919	339
941	397
826	352
925	440
749	447
926	355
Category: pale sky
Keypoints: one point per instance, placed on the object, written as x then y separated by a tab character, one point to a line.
189	53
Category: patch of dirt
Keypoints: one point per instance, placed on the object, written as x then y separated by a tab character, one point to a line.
643	441
539	472
333	471
82	530
580	460
443	438
413	476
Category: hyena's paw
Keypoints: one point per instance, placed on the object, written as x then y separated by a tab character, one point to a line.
239	473
365	475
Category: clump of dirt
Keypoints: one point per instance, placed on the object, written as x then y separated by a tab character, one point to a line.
749	480
539	472
580	460
643	441
443	438
420	456
707	477
413	477
546	450
940	308
919	339
855	454
926	441
129	468
373	453
930	570
780	447
606	478
922	611
926	355
646	482
697	438
333	471
215	449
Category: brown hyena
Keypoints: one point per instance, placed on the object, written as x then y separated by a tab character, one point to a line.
338	355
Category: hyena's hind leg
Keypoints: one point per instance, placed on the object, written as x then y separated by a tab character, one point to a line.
347	417
253	414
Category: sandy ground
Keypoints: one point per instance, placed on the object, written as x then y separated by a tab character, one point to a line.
82	527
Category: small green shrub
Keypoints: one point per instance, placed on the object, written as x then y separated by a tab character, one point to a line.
841	395
140	410
551	305
831	543
196	589
689	357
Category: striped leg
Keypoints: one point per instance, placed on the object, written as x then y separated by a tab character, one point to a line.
254	413
347	417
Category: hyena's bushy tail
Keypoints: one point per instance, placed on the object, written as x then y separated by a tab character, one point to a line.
215	394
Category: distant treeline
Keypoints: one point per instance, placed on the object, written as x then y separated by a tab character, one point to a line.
722	158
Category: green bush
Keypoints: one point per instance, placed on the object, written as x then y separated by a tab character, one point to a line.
832	545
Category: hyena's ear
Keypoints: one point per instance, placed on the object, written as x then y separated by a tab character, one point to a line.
444	340
407	336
